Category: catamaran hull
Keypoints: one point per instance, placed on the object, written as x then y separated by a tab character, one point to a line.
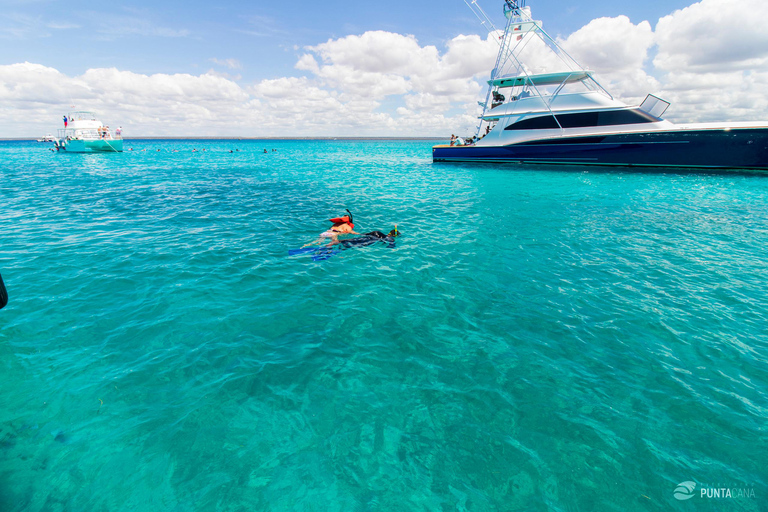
91	146
712	149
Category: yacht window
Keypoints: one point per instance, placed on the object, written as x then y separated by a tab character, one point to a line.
534	123
607	118
584	119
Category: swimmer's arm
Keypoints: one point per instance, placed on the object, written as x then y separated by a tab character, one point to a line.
316	242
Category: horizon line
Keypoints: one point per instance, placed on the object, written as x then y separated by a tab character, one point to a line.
216	137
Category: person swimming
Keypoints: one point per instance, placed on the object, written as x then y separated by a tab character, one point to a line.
328	251
341	226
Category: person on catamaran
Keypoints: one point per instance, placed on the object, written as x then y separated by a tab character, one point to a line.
65	122
341	226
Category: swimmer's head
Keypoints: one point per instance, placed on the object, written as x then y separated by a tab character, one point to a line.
340	221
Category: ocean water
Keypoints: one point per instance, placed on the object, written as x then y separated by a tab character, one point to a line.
539	339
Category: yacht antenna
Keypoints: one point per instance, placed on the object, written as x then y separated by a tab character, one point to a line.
480	13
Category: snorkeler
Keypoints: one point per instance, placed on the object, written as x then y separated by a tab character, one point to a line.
341	226
336	247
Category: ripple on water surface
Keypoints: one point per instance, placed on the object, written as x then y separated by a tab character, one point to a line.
539	339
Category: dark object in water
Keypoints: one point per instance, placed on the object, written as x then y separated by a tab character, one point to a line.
369	239
3	294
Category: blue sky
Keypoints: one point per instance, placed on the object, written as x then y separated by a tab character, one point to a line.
353	68
184	36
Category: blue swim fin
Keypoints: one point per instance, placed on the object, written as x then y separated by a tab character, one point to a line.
324	253
303	250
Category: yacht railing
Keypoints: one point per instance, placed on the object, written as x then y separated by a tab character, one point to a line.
87	134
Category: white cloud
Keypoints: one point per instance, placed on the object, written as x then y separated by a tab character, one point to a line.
35	97
710	61
617	50
308	63
379	64
375	52
712	35
612	44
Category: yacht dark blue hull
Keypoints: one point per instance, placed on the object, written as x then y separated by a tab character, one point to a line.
734	148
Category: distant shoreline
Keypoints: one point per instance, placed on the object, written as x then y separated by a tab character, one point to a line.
11	139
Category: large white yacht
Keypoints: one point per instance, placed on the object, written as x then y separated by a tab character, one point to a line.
84	133
557	113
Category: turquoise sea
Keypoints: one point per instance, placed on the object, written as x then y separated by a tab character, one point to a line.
540	339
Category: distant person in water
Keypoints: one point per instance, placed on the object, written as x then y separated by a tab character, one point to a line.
341	226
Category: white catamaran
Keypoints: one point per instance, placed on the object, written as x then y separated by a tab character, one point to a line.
83	133
557	113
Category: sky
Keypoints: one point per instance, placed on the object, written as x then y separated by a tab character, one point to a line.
342	68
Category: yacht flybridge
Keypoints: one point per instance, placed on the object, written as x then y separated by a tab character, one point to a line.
83	133
559	114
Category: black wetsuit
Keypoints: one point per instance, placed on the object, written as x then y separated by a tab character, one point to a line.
369	239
